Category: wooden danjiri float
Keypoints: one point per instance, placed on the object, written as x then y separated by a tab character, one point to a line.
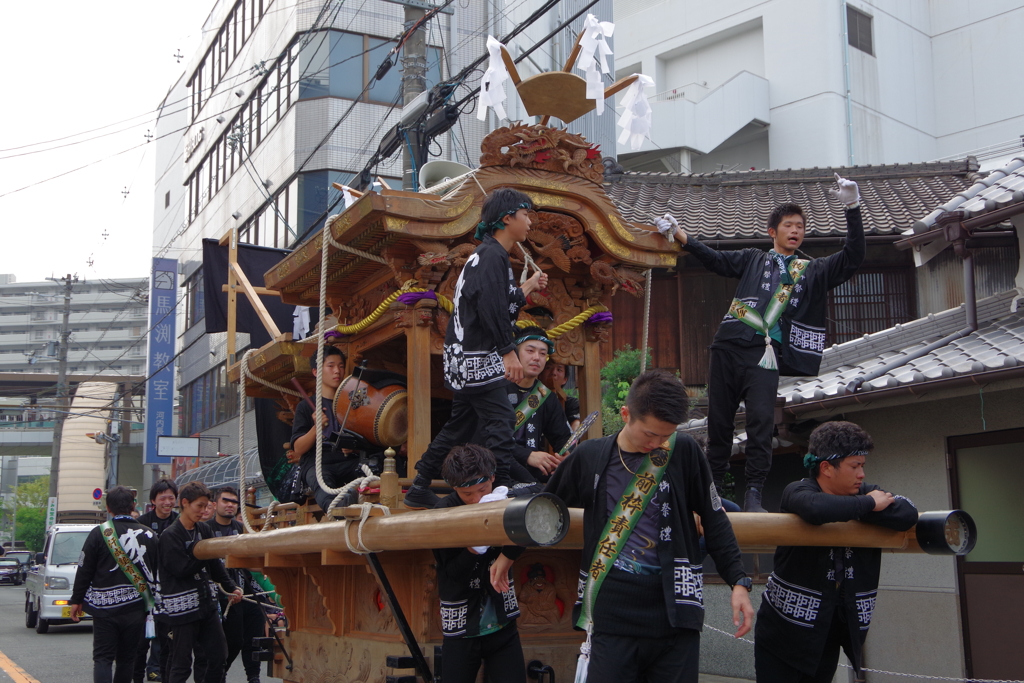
359	616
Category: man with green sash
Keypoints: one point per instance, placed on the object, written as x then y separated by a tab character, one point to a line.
640	595
115	584
775	325
537	418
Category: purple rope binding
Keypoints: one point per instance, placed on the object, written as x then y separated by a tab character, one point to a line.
410	298
598	318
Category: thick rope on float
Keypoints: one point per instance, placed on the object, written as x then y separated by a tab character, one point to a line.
442	301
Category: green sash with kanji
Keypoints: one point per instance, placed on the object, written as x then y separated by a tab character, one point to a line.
635	497
748	315
125	563
530	404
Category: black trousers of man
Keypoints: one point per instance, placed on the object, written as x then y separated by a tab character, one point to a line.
673	659
115	639
500	652
769	668
244	622
209	632
338	471
490	412
734	376
147	659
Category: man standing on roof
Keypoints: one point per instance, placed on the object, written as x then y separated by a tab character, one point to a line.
479	349
775	325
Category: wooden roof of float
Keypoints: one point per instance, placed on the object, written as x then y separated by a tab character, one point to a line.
551	166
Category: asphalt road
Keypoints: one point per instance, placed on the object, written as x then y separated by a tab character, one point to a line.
64	655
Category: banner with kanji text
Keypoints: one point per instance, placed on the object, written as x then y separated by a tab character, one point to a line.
160	358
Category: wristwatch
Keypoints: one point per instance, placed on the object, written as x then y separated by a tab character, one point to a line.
746	582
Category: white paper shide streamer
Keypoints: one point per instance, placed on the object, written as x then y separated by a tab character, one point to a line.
635	120
492	85
593	61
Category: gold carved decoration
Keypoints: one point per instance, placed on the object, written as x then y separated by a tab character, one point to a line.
537	146
395	224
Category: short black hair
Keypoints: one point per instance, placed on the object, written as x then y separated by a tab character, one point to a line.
781	211
658	394
193	491
120	500
835	438
160	486
225	489
501	202
329	350
464	463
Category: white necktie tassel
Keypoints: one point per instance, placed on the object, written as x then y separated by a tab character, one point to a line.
492	85
584	659
635	120
150	627
768	360
593	60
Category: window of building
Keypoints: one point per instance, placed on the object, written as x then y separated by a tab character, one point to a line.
874	299
195	303
339	64
858	28
208	400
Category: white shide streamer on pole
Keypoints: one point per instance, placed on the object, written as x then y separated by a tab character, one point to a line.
635	120
594	52
492	85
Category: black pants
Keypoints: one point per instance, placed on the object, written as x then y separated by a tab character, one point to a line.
614	659
769	668
244	622
147	658
734	376
209	632
337	473
500	652
489	411
116	639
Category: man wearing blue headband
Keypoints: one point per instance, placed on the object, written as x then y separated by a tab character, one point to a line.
820	599
538	419
479	349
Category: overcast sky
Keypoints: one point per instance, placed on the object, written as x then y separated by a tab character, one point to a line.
74	67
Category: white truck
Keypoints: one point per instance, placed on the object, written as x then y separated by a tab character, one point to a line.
52	576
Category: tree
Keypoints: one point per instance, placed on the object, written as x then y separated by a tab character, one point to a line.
29	503
616	378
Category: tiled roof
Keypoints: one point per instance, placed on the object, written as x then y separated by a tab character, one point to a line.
998	189
736	205
997	344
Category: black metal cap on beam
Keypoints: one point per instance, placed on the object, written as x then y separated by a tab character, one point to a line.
540	519
946	532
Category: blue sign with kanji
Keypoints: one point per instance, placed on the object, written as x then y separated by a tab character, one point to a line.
160	358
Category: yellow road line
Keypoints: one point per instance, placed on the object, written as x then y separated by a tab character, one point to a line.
16	673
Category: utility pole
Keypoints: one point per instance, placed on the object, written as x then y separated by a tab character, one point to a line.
414	82
62	381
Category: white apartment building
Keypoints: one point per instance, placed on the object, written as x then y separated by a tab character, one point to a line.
781	84
107	323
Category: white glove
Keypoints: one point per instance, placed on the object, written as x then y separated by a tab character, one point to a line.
667	226
845	191
500	493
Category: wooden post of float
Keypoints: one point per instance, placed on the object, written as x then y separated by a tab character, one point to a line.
232	241
589	379
417	353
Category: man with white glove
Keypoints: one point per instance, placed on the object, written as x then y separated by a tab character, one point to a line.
775	325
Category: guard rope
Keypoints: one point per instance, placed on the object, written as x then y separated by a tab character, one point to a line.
442	301
246	521
244	597
352	250
368	480
892	673
647	321
528	263
320	343
576	321
244	366
361	548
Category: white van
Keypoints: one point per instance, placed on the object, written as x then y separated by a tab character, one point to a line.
50	580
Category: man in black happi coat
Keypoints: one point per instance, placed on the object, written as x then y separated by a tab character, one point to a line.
818	599
775	325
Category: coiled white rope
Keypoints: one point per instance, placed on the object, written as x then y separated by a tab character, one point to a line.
647	321
360	547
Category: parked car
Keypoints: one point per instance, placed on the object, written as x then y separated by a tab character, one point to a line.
23	556
50	580
11	571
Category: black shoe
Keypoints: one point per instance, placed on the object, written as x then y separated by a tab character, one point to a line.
752	501
420	498
254	679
